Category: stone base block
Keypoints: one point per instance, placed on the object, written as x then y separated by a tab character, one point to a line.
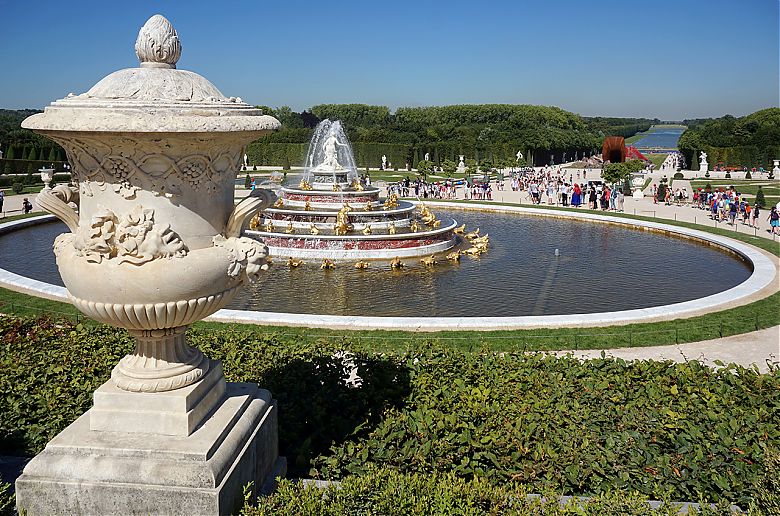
176	412
84	471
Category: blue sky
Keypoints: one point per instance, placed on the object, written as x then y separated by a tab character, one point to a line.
670	59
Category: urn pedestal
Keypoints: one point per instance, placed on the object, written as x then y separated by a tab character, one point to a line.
155	244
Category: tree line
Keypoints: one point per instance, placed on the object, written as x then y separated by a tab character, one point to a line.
485	132
749	141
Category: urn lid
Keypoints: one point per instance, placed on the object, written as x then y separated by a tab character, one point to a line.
155	97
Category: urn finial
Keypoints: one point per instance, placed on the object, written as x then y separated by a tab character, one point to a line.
158	44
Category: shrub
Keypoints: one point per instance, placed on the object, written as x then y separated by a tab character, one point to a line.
7	499
390	492
575	427
683	431
247	182
760	199
728	174
18	188
678	175
748	175
767	500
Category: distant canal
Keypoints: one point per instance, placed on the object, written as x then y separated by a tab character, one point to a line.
660	137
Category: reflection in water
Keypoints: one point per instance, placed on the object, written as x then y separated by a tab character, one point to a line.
600	268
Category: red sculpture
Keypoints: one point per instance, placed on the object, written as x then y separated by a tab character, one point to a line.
614	149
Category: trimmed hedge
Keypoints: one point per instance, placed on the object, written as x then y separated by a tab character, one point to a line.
390	492
663	430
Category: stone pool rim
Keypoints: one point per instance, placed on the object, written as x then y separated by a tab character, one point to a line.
765	272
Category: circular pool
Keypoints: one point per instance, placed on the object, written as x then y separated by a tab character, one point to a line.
598	268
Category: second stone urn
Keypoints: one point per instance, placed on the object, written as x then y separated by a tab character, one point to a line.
154	245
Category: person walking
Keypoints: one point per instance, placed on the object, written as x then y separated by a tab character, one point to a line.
26	206
774	221
2	200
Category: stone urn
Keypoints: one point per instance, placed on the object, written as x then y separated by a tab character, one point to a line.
154	245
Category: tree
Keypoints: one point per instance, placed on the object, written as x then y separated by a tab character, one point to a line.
614	172
32	156
11	152
760	199
247	182
448	167
424	167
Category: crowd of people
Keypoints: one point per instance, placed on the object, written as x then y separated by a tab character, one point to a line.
727	204
674	161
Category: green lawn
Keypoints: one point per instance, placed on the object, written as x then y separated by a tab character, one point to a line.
757	315
656	159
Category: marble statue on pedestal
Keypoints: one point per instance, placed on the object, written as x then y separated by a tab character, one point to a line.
703	165
384	162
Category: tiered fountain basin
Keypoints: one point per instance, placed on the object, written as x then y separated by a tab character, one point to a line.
392	235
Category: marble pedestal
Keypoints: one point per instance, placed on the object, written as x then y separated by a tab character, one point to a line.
85	471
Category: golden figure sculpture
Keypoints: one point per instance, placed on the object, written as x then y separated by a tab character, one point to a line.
473	251
314	230
342	226
427	215
460	230
304	185
396	263
255	222
415	226
369	206
290	229
357	185
429	261
454	256
269	226
391	228
307	206
327	264
336	187
391	202
367	229
473	234
279	203
436	224
292	263
362	264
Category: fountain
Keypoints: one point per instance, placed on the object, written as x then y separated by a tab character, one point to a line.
332	214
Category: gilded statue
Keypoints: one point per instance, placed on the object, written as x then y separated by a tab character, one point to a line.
357	185
304	185
269	226
342	226
367	229
307	206
454	256
292	263
391	202
427	215
396	263
391	228
279	203
327	264
362	264
290	229
460	230
313	230
429	261
415	226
